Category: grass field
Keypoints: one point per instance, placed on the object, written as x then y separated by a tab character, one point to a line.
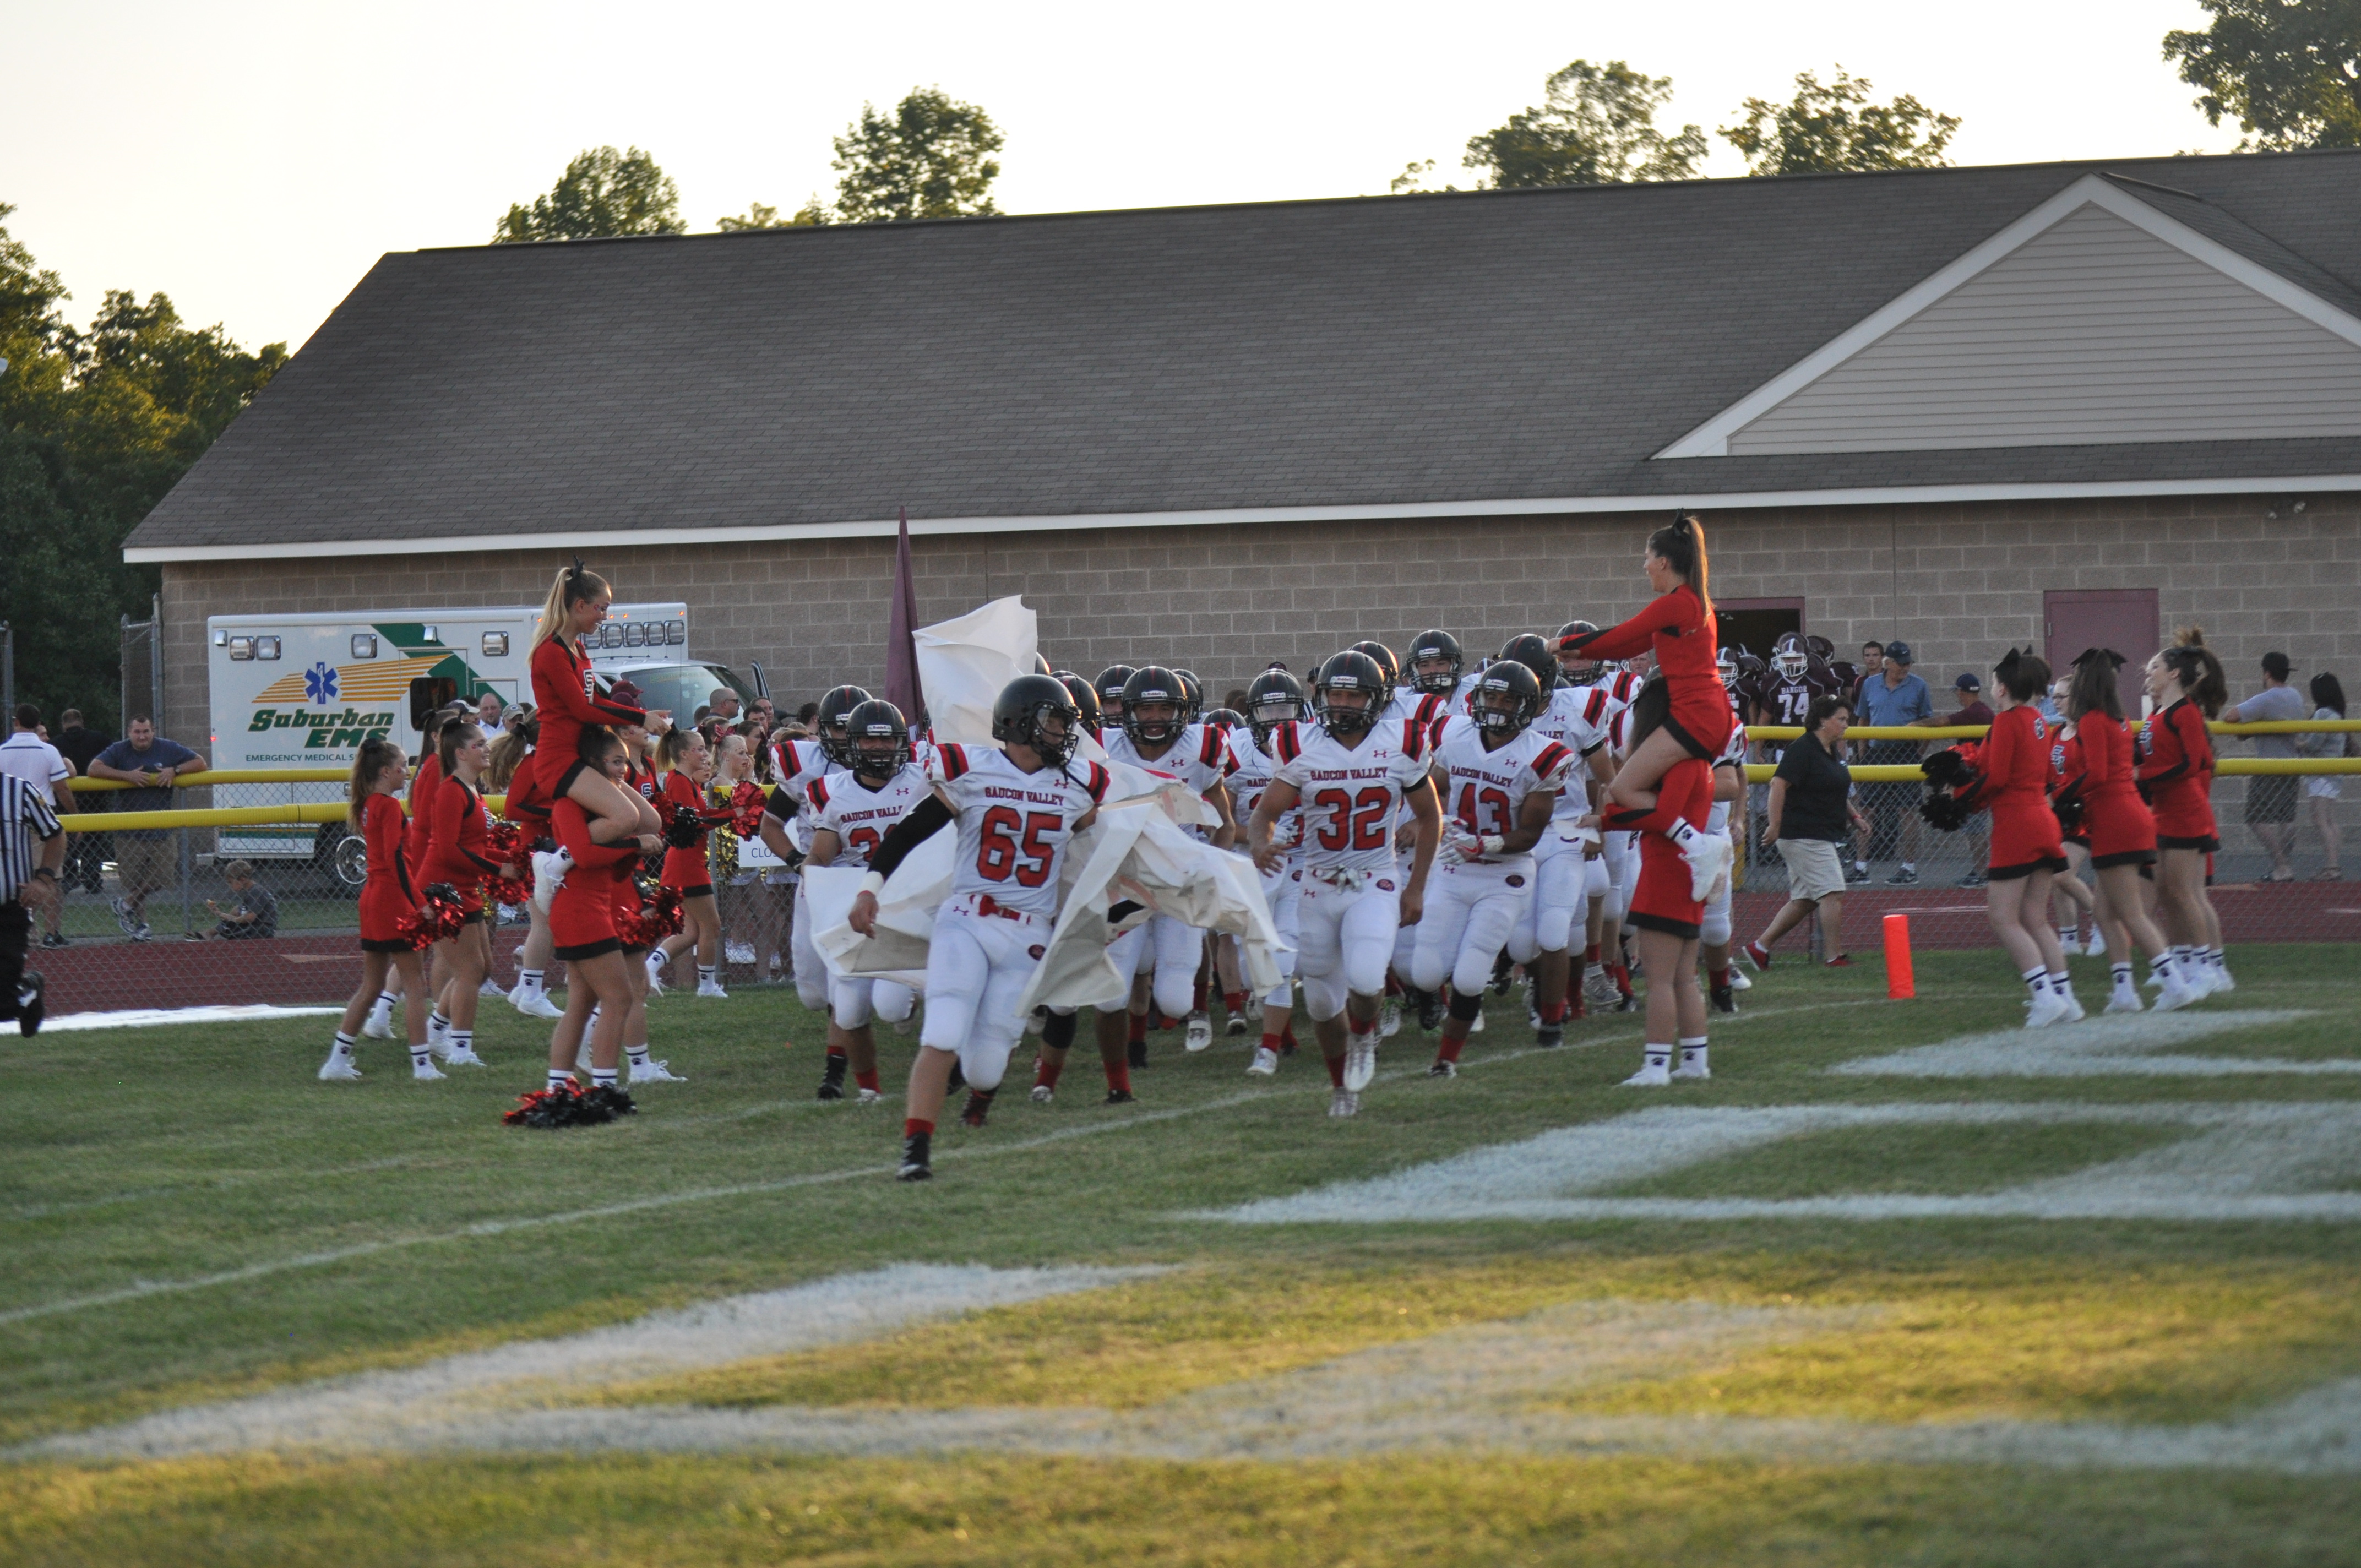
191	1219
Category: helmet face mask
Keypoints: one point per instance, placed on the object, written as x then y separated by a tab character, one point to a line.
1035	711
1436	662
1789	658
877	740
1109	686
1274	698
1508	699
1154	705
1574	667
1725	664
1350	693
835	744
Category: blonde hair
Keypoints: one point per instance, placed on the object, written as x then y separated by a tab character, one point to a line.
572	585
675	743
509	752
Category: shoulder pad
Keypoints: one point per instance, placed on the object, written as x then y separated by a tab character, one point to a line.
818	795
1287	742
1099	781
1596	705
1551	758
1413	739
954	759
1429	707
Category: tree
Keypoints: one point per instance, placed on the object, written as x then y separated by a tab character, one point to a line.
758	216
603	195
927	161
96	426
2288	71
1596	126
1835	129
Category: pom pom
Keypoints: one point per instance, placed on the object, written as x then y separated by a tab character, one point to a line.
442	915
660	917
1945	812
570	1105
1952	766
2068	810
504	843
746	800
514	891
686	827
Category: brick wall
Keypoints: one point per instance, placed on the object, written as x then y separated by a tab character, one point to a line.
1960	582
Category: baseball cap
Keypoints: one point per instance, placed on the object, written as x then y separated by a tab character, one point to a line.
2276	665
1899	651
1968	682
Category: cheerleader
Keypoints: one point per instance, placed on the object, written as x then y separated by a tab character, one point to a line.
2026	852
2185	688
2068	896
687	763
1680	631
388	897
582	918
423	783
2118	831
455	841
631	767
565	694
510	773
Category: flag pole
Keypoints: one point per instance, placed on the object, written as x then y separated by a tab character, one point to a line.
901	688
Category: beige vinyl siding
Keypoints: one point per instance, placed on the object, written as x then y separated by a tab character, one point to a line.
2092	332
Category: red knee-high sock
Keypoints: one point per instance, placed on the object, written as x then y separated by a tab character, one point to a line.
1448	1046
1045	1072
1336	1070
1138	1028
1590	954
1197	995
866	1080
914	1125
1672	792
1271	1043
1234	1001
1118	1074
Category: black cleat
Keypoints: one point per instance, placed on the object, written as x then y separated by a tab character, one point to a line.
831	1078
1441	1069
1430	1009
918	1151
1118	1097
1725	1000
1504	973
1138	1056
30	1006
958	1079
979	1106
1550	1036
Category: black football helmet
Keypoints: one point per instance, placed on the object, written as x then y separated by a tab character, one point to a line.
1577	668
1226	720
1430	654
1790	657
1274	698
834	743
1153	685
1109	685
1725	664
1351	671
1086	700
1195	689
1820	648
1021	716
1387	665
1533	651
879	740
1507	697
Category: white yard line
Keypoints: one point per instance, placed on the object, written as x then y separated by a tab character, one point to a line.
150	1017
2122	1046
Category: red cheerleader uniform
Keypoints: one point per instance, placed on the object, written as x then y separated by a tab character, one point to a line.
567	698
2066	777
1681	632
685	871
421	815
388	897
454	848
2177	767
582	915
2015	760
2116	824
1661	901
527	802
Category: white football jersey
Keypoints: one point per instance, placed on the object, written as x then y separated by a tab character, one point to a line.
1013	825
1410	705
1198	757
1483	790
1350	794
1733	752
860	816
1579	718
1251	771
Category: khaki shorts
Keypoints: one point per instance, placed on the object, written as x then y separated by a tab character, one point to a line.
1814	868
146	865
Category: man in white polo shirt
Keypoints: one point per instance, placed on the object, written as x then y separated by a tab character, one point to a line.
25	755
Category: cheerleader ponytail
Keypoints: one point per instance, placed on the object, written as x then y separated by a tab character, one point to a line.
2199	669
376	755
573	584
1681	544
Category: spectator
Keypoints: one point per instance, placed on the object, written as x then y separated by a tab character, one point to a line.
1809	814
2328	702
32	848
257	914
2270	799
808	716
1873	661
145	861
488	710
723	705
86	853
697	721
1896	698
26	755
1969	692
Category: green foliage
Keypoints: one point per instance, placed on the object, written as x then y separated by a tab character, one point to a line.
1596	126
603	195
96	426
2288	71
811	215
1835	129
930	160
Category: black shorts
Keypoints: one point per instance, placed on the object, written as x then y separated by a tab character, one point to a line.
702	890
2011	873
574	770
589	950
386	945
1686	930
2209	844
2270	799
2126	858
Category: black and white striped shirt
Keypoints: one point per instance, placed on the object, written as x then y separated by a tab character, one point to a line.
27	822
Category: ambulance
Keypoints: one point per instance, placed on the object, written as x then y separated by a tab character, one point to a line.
304	691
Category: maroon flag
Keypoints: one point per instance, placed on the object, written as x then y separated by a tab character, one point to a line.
902	687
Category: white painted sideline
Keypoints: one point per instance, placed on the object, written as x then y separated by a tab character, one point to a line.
2117	1047
148	1017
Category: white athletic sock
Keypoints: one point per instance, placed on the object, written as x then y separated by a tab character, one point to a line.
560	1079
460	1040
2160	965
2122	974
594	1019
1692	1051
2214	955
421	1056
2069	935
1654	1055
383	1005
1682	832
2182	953
705	973
2036	978
638	1054
602	1078
2061	981
437	1026
1909	865
344	1048
530	979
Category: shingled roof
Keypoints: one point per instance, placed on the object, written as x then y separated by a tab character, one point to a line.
1400	355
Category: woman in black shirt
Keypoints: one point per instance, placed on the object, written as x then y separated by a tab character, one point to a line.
1811	815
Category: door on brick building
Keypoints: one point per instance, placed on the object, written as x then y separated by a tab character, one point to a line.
1755	624
2126	619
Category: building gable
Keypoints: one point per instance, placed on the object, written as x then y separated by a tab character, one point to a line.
2096	319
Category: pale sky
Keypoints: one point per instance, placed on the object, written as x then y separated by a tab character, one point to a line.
253	160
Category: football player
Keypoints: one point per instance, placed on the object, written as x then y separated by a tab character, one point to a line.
852	810
1275	698
787	832
1351	774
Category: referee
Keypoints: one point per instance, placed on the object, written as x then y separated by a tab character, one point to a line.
32	848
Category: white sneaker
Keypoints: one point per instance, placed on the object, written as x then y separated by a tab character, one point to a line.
2176	996
1708	855
1238	1025
2126	999
378	1026
1043	1094
1344	1103
549	869
338	1069
1265	1065
534	1004
426	1074
1652	1075
1389	1019
435	1032
868	1097
464	1055
1200	1032
739	953
2220	975
1685	1073
2074	1014
654	1072
1360	1062
712	989
1475	1025
656	975
1738	981
2047	1007
1599	988
582	1053
492	988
